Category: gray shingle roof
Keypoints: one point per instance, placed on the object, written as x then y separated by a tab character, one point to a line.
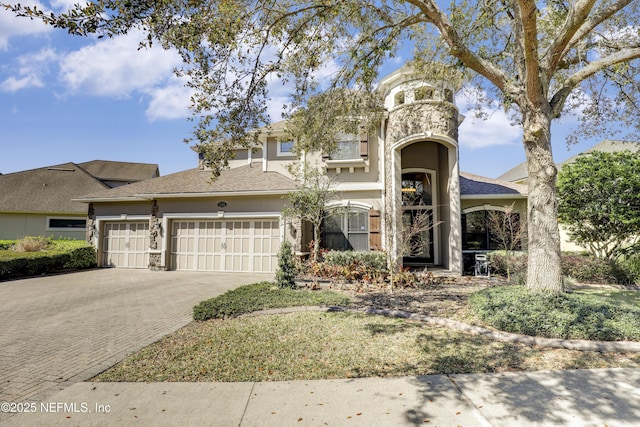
516	173
246	179
120	171
47	190
475	185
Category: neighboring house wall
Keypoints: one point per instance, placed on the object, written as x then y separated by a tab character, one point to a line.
15	226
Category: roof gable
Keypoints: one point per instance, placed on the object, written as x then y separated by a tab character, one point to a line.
120	171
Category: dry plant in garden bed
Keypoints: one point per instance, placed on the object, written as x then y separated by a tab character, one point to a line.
441	297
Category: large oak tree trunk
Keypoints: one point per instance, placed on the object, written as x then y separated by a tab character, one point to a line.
544	264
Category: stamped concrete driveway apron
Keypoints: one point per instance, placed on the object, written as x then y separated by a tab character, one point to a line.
58	330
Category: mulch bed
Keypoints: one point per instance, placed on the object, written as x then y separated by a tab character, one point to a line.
437	297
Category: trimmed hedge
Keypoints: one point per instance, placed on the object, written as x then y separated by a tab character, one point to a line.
66	255
369	259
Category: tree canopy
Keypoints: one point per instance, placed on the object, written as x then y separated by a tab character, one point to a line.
599	197
539	58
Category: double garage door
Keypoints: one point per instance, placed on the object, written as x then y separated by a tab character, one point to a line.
225	245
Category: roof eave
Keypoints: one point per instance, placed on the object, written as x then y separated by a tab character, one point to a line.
151	196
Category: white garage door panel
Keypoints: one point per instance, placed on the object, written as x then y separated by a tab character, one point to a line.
126	244
225	245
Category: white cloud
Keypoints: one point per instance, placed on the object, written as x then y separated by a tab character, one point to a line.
64	5
13	26
493	129
170	102
30	71
115	67
13	84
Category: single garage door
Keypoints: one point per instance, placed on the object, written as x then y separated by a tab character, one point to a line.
225	245
125	244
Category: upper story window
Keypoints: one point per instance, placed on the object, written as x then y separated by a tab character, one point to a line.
423	93
448	95
347	148
399	99
285	148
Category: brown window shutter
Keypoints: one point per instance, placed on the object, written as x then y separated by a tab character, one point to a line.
375	236
364	142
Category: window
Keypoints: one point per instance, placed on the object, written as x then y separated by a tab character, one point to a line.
285	148
423	93
417	189
476	234
347	148
66	223
346	230
399	99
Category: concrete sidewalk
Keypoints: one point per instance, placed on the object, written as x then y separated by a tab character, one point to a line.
607	397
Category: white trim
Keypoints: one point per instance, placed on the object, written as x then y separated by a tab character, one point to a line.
427	136
348	204
280	153
484	208
146	197
216	215
492	196
360	186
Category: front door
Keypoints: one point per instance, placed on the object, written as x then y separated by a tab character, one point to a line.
417	226
418	220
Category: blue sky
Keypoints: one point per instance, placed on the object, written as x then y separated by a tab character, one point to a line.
71	99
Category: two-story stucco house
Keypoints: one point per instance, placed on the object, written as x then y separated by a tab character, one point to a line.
408	165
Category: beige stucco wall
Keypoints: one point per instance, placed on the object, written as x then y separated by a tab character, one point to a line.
17	226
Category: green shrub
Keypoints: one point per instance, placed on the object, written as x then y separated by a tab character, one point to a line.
286	272
587	268
261	296
61	255
627	270
567	316
517	264
81	258
369	259
6	244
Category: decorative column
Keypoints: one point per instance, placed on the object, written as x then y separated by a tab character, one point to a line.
91	224
155	238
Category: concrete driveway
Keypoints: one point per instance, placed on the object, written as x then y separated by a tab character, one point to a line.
59	330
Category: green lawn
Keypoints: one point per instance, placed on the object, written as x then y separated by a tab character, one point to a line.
315	345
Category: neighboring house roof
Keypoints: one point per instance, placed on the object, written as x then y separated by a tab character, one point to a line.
47	190
519	173
472	186
245	180
608	146
120	171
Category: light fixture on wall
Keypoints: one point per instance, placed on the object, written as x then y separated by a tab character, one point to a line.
222	204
